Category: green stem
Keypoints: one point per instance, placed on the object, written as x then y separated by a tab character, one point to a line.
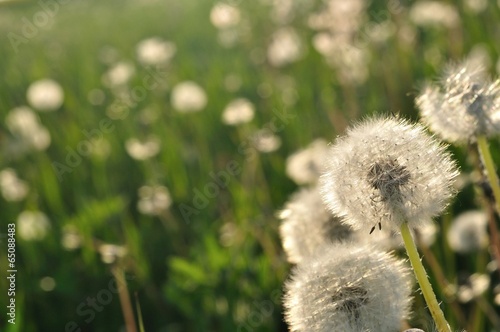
429	296
484	150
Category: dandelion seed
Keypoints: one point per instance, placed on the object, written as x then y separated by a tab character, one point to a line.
465	106
348	287
468	232
387	171
188	97
306	225
305	166
238	111
45	95
32	225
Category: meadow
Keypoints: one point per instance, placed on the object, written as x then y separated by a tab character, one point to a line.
140	198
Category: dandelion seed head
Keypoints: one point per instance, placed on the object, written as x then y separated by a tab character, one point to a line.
155	51
468	232
434	13
264	140
153	200
474	287
238	111
305	166
118	75
45	95
12	188
110	253
285	48
463	106
32	225
188	97
224	16
306	225
348	287
142	150
387	171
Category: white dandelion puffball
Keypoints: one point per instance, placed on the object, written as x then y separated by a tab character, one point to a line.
25	125
118	74
142	150
468	232
45	95
305	166
387	171
463	107
153	200
238	111
348	287
32	225
12	188
155	51
188	97
307	225
224	16
285	48
434	13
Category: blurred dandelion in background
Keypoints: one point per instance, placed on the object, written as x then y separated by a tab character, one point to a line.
142	150
45	95
188	97
32	225
468	232
153	200
238	111
13	189
154	51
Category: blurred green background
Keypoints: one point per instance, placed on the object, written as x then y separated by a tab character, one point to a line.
199	262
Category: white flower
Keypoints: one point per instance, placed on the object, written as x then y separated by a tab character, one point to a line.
238	111
155	51
348	288
387	171
142	150
13	189
45	95
188	97
305	166
434	13
468	232
306	225
153	200
32	225
224	16
286	47
463	107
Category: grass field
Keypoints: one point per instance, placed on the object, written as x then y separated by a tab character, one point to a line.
199	248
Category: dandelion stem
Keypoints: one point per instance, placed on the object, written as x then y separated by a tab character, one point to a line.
484	150
491	174
429	296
